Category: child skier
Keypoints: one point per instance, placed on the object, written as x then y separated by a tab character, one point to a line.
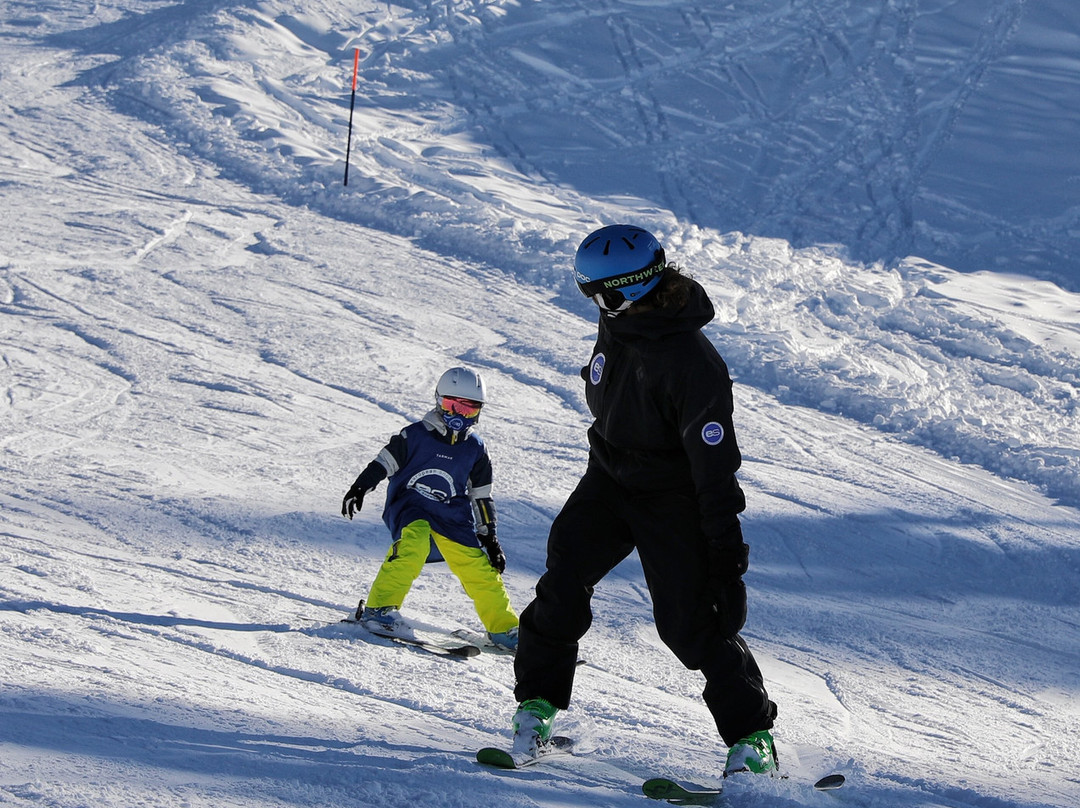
438	507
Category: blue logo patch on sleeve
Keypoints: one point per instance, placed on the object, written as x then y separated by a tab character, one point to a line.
712	433
596	369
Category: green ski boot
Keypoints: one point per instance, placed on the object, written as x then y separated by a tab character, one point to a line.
532	725
755	753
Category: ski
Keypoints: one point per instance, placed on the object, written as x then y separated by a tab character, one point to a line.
481	641
486	645
463	651
501	759
830	782
661	788
432	645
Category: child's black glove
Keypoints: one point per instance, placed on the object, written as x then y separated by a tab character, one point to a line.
363	485
353	501
494	551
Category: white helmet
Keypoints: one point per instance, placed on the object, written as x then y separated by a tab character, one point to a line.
459	397
461	382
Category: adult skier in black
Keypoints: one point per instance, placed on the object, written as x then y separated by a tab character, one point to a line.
661	479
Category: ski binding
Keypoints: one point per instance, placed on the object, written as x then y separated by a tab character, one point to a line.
501	759
409	636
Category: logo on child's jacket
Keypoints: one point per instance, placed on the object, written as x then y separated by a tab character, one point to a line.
434	484
596	369
712	433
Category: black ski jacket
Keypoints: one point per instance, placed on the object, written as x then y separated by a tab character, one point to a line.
660	394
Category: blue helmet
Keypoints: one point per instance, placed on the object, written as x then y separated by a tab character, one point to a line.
618	265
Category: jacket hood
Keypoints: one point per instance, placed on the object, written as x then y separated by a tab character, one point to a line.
433	422
659	323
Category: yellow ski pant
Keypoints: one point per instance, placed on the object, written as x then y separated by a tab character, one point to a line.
481	581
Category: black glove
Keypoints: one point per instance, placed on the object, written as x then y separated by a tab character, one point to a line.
727	563
353	501
494	551
363	485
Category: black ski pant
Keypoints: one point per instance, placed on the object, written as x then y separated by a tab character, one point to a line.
599	526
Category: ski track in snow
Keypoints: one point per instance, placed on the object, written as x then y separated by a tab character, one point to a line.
205	337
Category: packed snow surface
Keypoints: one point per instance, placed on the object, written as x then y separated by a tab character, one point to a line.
205	335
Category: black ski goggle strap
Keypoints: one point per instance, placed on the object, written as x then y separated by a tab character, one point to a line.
609	290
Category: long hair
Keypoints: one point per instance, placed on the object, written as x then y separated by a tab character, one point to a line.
673	292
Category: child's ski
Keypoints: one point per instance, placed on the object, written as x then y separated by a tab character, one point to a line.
434	645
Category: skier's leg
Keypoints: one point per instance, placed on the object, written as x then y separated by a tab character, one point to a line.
735	691
482	583
402	565
587	539
674	558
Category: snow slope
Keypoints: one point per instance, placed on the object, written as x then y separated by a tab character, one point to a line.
205	336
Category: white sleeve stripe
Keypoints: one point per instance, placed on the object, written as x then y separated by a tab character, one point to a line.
388	462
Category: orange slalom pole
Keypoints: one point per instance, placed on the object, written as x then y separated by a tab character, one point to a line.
352	106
